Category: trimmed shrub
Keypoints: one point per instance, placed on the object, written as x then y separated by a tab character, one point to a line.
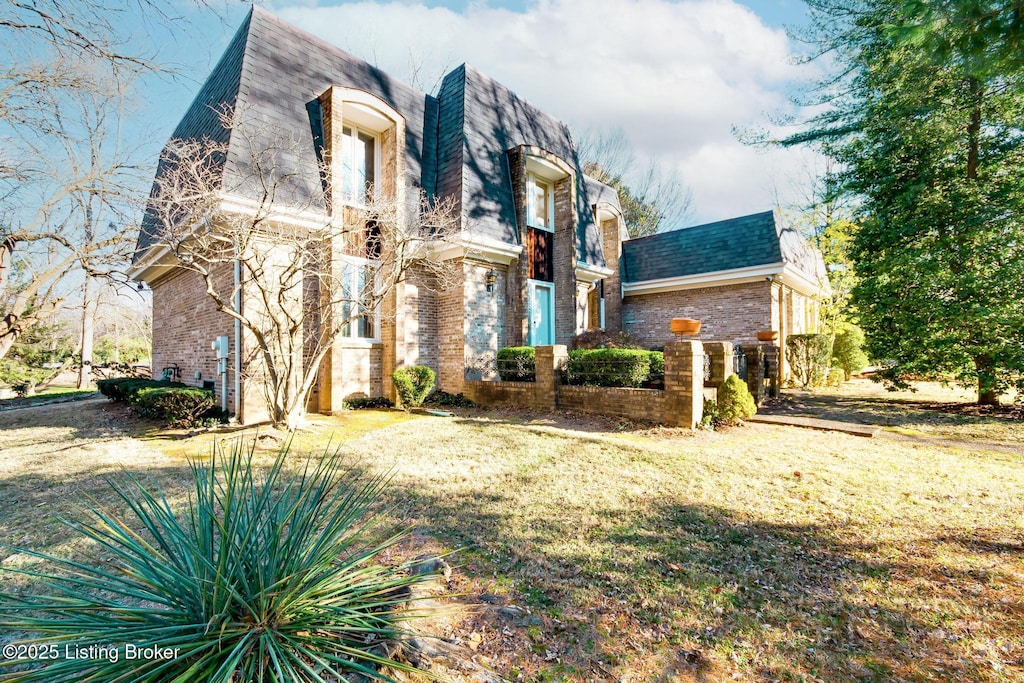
267	574
710	418
371	403
125	388
848	351
517	364
413	384
735	403
657	375
613	367
180	406
836	377
601	339
446	400
810	357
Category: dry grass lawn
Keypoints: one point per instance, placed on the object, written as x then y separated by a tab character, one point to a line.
755	554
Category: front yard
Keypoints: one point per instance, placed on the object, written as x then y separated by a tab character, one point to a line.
758	553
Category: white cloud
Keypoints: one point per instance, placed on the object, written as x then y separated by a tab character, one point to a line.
677	77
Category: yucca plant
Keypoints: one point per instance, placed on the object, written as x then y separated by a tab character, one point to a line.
268	575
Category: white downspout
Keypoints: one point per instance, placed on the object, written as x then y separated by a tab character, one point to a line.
238	337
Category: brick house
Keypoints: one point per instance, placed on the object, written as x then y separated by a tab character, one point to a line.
738	276
542	246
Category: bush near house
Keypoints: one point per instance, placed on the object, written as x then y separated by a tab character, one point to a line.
125	388
735	403
602	339
413	384
848	351
517	364
615	367
810	357
179	406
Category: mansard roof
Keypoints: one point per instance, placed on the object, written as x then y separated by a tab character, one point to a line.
456	143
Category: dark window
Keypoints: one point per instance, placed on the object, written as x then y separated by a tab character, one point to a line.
373	240
540	252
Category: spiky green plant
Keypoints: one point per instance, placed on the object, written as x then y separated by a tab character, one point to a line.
268	575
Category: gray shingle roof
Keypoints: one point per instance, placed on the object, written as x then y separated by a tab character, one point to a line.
455	143
270	72
599	193
748	241
493	120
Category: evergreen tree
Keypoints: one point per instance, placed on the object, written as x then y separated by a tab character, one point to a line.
925	116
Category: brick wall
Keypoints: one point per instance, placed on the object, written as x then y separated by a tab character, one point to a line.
421	319
485	311
181	296
613	283
451	336
733	313
565	259
634	404
681	403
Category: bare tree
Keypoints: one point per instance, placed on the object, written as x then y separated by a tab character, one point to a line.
67	210
305	276
653	196
67	180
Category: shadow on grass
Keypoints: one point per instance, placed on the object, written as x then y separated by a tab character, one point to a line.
661	579
35	505
887	412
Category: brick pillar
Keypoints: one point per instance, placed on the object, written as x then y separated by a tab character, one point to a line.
550	364
755	371
721	361
684	383
772	360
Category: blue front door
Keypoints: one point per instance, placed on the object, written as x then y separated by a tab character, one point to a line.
542	313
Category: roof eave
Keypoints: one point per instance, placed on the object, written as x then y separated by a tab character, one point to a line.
720	278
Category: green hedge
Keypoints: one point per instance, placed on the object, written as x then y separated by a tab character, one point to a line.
615	367
125	388
413	384
180	406
517	364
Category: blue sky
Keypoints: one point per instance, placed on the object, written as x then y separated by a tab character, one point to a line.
677	77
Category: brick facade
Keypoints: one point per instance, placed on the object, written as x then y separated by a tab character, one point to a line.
181	295
681	403
732	313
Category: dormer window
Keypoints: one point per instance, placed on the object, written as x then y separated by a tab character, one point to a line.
540	204
359	163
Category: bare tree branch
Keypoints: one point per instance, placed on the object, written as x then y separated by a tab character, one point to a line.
307	276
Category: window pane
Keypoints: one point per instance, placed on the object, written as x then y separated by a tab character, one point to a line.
537	203
368	164
346	164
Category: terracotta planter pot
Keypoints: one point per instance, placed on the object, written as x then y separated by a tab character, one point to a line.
768	335
684	326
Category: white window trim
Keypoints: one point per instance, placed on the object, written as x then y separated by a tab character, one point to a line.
349	198
352	321
532	179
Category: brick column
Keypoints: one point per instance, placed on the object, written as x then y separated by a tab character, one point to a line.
755	371
721	361
772	359
550	363
684	383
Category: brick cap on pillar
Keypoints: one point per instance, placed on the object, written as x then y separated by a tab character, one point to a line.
690	347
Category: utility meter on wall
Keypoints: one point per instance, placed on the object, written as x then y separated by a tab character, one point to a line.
220	348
